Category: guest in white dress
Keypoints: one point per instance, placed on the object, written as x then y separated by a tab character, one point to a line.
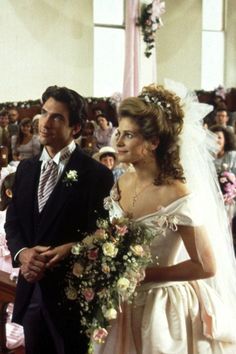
25	145
187	301
14	332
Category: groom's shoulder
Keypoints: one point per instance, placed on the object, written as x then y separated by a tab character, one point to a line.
91	164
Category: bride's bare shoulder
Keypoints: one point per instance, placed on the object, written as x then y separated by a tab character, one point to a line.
126	180
178	189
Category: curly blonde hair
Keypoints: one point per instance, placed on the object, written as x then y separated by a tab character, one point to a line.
158	114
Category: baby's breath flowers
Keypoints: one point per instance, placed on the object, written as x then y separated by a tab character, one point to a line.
106	268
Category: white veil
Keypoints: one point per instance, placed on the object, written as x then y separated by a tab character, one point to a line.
197	147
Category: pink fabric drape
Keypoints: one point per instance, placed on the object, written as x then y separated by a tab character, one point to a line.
131	70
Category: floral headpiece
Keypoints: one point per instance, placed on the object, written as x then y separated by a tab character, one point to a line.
157	101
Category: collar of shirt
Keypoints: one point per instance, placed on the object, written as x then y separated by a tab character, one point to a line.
57	158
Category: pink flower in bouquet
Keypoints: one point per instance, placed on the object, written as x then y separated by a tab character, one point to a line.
88	294
100	234
93	254
99	335
78	269
122	230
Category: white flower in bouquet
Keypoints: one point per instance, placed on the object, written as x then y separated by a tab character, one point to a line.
123	285
109	249
110	314
137	250
76	249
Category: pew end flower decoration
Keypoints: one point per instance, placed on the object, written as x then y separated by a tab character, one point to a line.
227	181
150	21
106	268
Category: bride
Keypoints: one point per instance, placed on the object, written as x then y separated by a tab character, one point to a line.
187	302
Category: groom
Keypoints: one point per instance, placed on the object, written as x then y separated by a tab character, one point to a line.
58	196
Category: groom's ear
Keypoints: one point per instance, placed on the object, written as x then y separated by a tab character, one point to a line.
76	129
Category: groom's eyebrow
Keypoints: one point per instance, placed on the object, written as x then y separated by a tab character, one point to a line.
53	115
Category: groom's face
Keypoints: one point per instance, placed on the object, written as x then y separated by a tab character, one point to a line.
54	130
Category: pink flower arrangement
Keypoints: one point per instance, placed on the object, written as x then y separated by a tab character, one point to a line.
150	21
227	181
106	267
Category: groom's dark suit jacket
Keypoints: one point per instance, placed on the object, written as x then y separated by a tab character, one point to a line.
70	211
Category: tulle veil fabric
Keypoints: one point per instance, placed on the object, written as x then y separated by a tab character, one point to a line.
197	149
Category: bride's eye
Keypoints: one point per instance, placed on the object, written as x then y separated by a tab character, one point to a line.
129	135
117	135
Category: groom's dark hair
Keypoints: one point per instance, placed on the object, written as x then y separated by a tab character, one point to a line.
76	104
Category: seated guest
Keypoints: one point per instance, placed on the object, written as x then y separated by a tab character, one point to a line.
108	157
6	132
104	131
25	144
226	154
87	140
14	332
13	115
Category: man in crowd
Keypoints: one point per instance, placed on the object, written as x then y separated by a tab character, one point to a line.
14	119
49	212
222	118
6	132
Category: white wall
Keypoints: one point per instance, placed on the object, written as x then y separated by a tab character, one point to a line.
178	44
42	43
230	44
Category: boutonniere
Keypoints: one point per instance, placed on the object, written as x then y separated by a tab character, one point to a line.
70	177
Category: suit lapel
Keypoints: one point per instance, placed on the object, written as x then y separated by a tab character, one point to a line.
62	191
30	186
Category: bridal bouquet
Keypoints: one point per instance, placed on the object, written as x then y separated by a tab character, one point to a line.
227	181
107	266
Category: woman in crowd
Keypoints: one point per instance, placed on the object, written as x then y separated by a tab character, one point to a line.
104	131
226	154
25	144
186	302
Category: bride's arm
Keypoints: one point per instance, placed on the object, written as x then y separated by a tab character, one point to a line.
200	265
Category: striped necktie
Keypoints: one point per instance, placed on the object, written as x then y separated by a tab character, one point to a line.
47	182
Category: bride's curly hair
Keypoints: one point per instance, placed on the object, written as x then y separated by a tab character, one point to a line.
158	114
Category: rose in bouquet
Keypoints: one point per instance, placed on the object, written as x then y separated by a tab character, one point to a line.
106	268
227	181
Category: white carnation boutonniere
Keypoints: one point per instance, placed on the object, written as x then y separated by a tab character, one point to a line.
70	177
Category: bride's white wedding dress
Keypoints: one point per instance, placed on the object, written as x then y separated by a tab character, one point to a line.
171	317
